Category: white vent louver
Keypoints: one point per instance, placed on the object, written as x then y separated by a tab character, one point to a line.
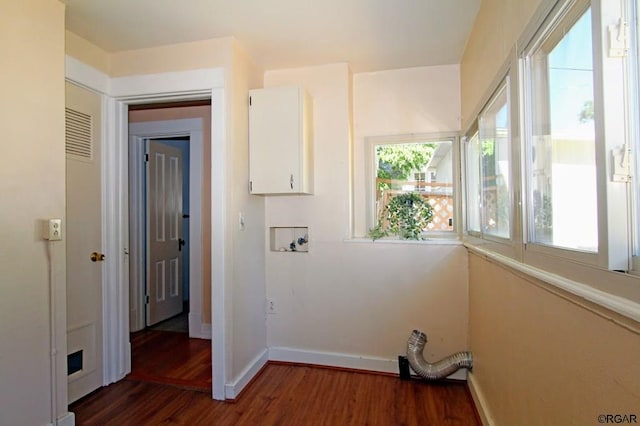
78	134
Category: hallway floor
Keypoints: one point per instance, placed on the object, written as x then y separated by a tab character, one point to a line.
170	357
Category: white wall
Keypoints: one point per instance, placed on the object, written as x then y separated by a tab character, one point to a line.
355	303
32	188
246	339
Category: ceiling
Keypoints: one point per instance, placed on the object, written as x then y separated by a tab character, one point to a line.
370	35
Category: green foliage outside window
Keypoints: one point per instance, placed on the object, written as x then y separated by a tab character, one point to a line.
397	161
406	215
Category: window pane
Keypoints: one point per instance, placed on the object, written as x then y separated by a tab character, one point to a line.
423	168
473	184
494	166
562	170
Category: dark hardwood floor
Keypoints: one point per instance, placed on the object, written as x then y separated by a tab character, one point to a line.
285	395
169	357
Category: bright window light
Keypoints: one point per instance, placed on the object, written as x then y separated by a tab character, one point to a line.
562	165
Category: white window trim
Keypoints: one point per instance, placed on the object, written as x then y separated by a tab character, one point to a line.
509	247
464	154
370	172
633	14
594	282
614	245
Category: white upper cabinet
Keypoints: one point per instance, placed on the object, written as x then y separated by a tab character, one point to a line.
280	141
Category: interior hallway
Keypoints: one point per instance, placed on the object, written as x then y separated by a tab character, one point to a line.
165	354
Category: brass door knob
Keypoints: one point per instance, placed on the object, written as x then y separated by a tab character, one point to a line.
97	257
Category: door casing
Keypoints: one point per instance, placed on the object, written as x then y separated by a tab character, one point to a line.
117	94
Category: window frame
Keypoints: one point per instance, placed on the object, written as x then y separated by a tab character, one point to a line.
370	178
597	281
509	78
614	251
556	16
471	134
503	88
633	69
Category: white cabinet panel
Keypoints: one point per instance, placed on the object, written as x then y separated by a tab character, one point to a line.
280	141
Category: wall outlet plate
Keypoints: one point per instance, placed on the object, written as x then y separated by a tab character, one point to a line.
52	229
271	305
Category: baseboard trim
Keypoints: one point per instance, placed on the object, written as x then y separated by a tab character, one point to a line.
346	361
68	419
479	400
206	331
197	329
232	390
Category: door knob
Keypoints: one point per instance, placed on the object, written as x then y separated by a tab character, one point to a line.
97	257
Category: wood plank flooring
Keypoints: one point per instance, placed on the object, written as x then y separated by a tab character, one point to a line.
285	395
171	358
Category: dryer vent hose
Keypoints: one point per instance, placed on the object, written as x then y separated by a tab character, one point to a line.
439	369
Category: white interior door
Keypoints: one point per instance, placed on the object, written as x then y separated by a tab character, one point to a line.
84	241
164	232
139	133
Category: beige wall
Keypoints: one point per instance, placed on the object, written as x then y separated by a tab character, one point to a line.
540	357
32	188
86	52
495	32
242	274
210	53
203	112
174	57
545	359
348	298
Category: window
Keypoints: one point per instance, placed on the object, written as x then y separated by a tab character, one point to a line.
495	179
563	207
488	171
580	118
420	166
552	160
473	184
564	188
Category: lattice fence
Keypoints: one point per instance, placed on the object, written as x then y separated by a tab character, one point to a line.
442	208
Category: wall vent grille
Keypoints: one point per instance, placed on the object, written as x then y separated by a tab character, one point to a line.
78	131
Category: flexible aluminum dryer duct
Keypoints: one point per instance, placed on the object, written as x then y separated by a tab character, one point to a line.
437	370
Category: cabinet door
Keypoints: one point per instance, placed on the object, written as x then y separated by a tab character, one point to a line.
275	141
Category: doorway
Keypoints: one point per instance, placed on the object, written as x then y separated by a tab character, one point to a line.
167	230
155	124
159	134
118	94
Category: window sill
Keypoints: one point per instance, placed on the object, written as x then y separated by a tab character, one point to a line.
620	305
430	241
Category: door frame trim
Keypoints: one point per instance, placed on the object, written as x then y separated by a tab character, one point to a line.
117	94
138	133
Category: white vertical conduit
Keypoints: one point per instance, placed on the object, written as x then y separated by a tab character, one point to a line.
439	369
52	335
